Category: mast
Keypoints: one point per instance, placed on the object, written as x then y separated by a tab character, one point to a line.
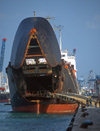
60	38
34	14
60	41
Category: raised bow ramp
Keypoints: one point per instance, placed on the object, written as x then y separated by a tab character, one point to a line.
35	37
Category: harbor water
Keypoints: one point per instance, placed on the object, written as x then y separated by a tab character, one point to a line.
14	121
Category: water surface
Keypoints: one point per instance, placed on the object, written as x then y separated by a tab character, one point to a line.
14	121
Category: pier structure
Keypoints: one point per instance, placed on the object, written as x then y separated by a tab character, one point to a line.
87	116
87	119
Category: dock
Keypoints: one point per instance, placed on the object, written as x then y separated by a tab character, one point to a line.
87	118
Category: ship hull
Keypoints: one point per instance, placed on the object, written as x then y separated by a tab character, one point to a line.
41	105
48	105
48	108
4	98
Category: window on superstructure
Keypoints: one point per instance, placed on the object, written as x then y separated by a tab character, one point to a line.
63	55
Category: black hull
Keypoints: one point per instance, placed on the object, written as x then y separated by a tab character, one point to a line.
46	37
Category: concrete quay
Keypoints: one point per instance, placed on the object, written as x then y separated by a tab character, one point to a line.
84	116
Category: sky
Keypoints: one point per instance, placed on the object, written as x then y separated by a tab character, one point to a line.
80	21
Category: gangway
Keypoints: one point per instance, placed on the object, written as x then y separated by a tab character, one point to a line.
81	99
72	96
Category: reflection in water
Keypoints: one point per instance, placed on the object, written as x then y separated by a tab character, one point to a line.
14	121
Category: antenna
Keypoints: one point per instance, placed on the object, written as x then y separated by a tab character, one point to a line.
34	14
74	52
59	28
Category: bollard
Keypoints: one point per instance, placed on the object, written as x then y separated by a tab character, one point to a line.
86	123
85	114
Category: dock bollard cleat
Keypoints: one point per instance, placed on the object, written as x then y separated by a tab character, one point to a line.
86	123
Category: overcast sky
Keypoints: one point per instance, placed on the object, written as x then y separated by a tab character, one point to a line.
80	20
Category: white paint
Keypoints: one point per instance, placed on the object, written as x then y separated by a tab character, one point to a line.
69	58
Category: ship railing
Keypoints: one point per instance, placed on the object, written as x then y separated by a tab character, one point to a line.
44	93
77	95
64	97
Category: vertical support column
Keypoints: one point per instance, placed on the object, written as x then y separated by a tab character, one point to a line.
38	107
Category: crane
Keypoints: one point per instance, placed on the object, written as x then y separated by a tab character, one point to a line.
2	54
91	82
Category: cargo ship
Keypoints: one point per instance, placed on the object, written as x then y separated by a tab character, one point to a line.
36	71
4	97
